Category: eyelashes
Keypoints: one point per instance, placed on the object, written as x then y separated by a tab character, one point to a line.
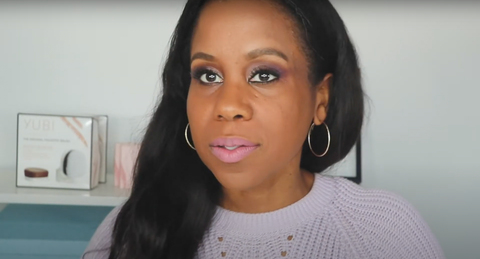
263	75
259	75
207	76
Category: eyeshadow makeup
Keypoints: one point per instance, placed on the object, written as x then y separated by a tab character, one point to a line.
266	68
262	73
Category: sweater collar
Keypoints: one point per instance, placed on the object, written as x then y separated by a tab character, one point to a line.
310	206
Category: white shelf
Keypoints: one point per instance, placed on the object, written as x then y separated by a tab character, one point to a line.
103	195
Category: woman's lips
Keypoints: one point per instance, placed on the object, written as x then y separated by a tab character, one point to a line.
232	150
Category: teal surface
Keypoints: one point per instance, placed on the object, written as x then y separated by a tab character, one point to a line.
47	231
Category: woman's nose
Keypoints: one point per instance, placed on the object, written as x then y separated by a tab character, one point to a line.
233	102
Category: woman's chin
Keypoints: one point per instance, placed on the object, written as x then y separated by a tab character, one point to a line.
239	181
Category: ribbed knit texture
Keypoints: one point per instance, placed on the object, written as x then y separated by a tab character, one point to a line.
336	219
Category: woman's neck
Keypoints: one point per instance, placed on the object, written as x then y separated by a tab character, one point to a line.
275	193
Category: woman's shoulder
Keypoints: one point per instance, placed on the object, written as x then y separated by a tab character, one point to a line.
352	198
357	197
380	221
99	245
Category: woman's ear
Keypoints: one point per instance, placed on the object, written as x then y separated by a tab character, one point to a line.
322	94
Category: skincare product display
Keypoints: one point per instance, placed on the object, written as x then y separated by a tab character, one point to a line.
125	158
55	151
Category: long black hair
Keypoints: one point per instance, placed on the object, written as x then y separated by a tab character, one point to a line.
174	195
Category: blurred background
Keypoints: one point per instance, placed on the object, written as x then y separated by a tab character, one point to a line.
420	64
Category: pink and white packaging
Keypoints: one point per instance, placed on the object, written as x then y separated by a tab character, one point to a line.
125	158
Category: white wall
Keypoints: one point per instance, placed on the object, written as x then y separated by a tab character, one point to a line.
420	71
69	57
422	139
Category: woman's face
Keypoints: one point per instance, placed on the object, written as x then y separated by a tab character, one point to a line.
250	103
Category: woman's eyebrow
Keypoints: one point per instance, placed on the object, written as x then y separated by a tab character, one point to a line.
202	55
266	51
251	55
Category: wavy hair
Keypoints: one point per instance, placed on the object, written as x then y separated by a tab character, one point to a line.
174	195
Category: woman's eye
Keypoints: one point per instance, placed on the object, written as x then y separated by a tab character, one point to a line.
210	77
263	77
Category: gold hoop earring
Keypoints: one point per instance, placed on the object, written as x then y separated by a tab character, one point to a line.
310	144
186	137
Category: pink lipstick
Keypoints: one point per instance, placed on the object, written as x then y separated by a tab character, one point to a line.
232	150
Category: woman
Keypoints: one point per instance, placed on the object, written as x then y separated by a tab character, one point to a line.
259	98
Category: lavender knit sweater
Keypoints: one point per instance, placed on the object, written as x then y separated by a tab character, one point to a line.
336	219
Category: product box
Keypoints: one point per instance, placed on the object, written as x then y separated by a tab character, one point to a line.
103	141
56	151
124	164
